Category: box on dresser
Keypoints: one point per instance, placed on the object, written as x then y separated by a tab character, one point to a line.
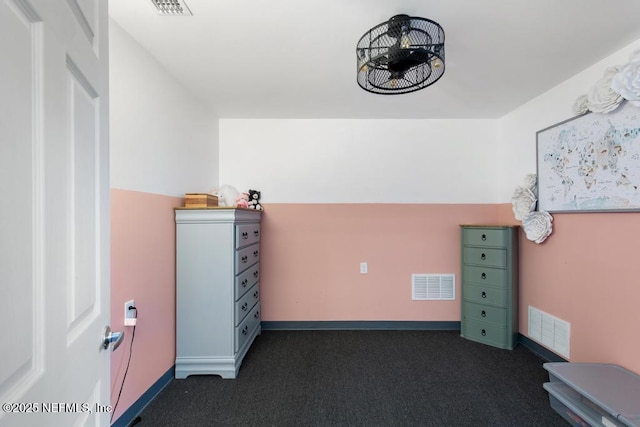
200	200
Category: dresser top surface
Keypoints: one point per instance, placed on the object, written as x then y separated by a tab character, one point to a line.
489	226
219	214
215	208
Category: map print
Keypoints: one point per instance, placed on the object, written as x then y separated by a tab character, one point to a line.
591	163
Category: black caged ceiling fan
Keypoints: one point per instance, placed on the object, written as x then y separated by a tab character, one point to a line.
402	55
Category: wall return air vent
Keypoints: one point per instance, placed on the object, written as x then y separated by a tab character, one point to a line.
172	7
439	287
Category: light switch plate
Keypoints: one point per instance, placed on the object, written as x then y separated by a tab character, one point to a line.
364	268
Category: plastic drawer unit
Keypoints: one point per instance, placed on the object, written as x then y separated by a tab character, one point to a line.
594	394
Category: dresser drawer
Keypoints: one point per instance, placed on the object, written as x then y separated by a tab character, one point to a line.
246	303
246	327
487	333
246	257
485	275
245	280
484	295
484	256
484	237
247	234
484	313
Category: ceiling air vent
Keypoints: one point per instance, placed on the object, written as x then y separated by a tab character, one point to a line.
172	7
433	287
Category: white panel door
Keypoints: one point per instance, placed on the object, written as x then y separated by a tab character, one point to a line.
54	212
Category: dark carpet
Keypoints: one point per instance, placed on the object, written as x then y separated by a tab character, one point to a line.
364	378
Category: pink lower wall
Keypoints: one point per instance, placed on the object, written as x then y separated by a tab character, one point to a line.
311	256
142	268
587	273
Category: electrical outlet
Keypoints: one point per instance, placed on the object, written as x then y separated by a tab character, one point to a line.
130	314
364	268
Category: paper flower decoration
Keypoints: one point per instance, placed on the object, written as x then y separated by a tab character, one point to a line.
581	106
626	82
537	226
523	202
531	182
601	98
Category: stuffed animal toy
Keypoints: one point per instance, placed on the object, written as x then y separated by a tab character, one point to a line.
228	195
254	200
243	200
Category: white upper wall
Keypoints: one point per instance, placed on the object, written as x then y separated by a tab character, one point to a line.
361	161
518	129
397	161
163	139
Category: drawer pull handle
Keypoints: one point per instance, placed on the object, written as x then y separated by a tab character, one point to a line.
244	283
484	237
483	275
257	315
255	254
244	307
255	294
484	294
244	259
256	233
255	274
483	257
483	314
245	235
245	330
483	332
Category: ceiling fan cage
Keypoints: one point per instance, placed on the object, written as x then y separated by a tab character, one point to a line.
401	55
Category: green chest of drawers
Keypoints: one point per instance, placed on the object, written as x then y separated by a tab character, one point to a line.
490	284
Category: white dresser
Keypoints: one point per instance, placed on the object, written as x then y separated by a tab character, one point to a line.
217	289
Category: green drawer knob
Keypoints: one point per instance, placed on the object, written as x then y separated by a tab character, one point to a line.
483	275
484	237
483	314
483	332
483	257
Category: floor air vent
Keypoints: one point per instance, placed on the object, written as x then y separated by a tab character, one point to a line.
433	287
172	7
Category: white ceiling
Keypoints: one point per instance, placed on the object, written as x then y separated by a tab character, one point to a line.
297	58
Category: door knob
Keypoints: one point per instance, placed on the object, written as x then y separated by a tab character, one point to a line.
111	339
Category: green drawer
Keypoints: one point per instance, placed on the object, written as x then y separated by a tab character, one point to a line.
484	237
484	294
485	275
484	313
487	333
484	256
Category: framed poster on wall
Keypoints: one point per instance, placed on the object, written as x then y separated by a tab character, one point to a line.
590	163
